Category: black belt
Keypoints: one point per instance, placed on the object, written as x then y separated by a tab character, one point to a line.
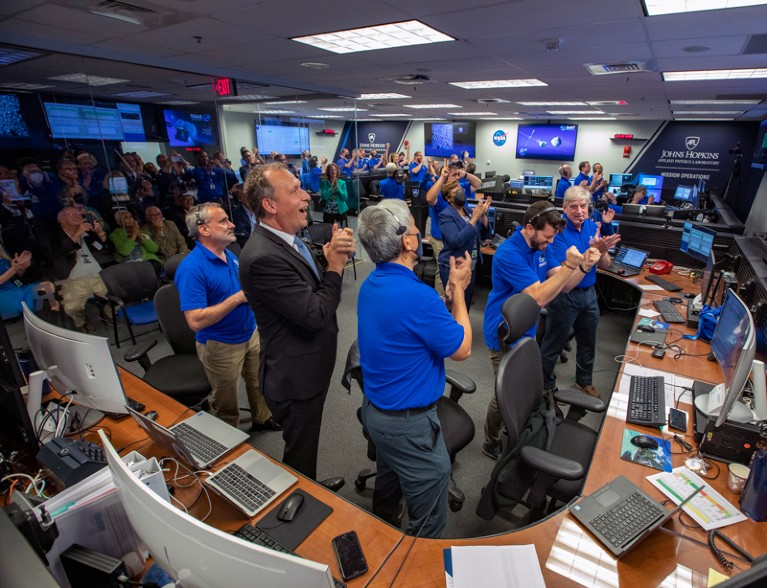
405	411
582	289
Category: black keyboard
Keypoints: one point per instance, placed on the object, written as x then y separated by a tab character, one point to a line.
135	404
668	311
647	401
260	537
628	519
199	445
663	283
243	487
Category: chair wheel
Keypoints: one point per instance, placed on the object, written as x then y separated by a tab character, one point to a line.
360	484
455	506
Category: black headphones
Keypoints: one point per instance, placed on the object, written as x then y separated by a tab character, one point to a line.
401	228
541	213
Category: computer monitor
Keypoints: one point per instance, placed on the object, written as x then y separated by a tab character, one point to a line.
489	174
617	180
708	279
635	209
540	183
654	211
697	241
734	346
492	185
201	555
75	363
490	217
683	193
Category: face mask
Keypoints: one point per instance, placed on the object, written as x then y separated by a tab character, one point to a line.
459	198
36	178
419	250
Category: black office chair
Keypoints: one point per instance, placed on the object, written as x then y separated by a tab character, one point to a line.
172	263
457	425
130	288
181	375
545	457
317	235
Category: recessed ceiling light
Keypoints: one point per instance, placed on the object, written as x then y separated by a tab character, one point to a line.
141	94
424	106
343	109
81	78
699	119
715	74
324	116
275	103
713	102
274	111
385	36
499	84
658	7
382	96
715	112
572	112
23	86
591	118
473	113
314	65
178	102
552	103
607	103
391	115
9	55
117	16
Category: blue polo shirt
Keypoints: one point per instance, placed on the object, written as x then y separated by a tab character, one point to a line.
341	163
391	188
421	175
562	185
372	162
557	251
434	211
580	177
515	267
204	280
403	346
211	185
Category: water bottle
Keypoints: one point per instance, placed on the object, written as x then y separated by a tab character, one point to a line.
753	500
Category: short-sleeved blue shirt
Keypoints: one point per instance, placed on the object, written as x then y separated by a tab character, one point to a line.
515	267
204	280
562	185
557	251
391	188
434	211
421	175
580	177
403	345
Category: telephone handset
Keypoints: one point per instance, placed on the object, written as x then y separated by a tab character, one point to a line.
661	267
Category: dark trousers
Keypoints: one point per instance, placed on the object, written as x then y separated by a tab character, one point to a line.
579	310
301	421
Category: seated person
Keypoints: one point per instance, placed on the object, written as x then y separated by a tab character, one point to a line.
131	243
13	291
183	203
641	197
390	186
165	233
144	196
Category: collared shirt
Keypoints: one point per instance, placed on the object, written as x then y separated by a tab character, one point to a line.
562	185
580	177
557	251
86	265
287	237
391	188
403	346
421	175
515	267
434	211
204	280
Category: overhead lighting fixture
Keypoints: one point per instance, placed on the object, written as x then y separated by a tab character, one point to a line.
427	119
699	119
248	96
552	103
324	116
608	103
278	102
141	94
473	113
658	7
707	112
178	102
116	16
425	106
343	109
23	86
314	65
81	78
390	115
499	84
503	118
385	36
591	118
715	74
9	55
382	96
572	112
274	111
713	102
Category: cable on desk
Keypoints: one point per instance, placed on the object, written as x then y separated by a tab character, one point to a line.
699	543
195	475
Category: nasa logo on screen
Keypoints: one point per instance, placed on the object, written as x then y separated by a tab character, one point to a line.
691	142
499	138
206	117
371	137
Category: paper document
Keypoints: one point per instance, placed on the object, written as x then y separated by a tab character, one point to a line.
648	312
674	388
515	566
709	508
649	287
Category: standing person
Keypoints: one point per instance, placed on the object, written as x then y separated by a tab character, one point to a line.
576	306
419	168
215	308
333	195
295	305
402	353
390	186
520	265
599	182
565	173
209	178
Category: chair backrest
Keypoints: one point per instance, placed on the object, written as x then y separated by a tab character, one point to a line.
319	233
374	189
519	313
130	281
173	322
235	248
353	368
172	263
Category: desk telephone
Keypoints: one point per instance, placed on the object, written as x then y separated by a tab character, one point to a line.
661	267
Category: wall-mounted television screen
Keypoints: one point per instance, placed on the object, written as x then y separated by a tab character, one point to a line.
12	123
285	139
446	139
549	142
111	122
189	129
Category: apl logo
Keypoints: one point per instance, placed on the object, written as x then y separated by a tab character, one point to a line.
371	137
691	142
416	192
499	138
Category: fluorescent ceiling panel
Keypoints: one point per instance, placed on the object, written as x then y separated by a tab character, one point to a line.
81	78
591	118
390	115
594	112
178	102
474	113
658	7
552	103
141	94
708	112
713	102
274	111
278	102
23	86
425	106
499	84
9	55
343	109
382	96
715	74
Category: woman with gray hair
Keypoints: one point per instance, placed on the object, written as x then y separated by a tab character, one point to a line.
402	354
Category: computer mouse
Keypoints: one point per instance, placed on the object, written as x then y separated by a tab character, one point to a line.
675	300
291	506
689	295
644	441
151	414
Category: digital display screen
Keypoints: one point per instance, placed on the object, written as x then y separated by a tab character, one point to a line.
446	139
617	180
189	129
549	142
78	121
287	140
131	122
697	241
538	182
12	123
683	193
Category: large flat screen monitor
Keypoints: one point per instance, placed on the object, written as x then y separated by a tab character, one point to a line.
734	347
198	555
286	139
654	184
189	129
633	209
548	142
110	122
12	121
654	210
697	241
539	183
683	193
617	180
446	139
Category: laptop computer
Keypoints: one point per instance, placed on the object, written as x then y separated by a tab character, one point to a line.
628	261
200	440
620	515
251	482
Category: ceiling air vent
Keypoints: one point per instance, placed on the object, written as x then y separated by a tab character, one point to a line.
602	69
410	80
117	6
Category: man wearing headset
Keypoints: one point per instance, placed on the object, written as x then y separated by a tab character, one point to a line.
565	173
520	265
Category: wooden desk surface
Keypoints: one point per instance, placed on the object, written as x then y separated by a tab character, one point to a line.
378	538
659	555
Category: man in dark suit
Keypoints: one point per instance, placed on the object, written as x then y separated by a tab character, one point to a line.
295	306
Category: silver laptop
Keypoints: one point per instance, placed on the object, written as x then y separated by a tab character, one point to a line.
200	440
251	482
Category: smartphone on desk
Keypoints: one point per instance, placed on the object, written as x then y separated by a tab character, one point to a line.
349	554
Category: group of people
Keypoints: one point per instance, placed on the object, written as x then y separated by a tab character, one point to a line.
596	184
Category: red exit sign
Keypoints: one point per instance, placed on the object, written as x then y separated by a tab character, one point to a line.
624	135
224	87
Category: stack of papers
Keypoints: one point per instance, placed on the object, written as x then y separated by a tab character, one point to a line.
491	565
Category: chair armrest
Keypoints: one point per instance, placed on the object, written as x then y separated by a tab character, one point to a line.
116	300
553	465
580	400
139	352
460	384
